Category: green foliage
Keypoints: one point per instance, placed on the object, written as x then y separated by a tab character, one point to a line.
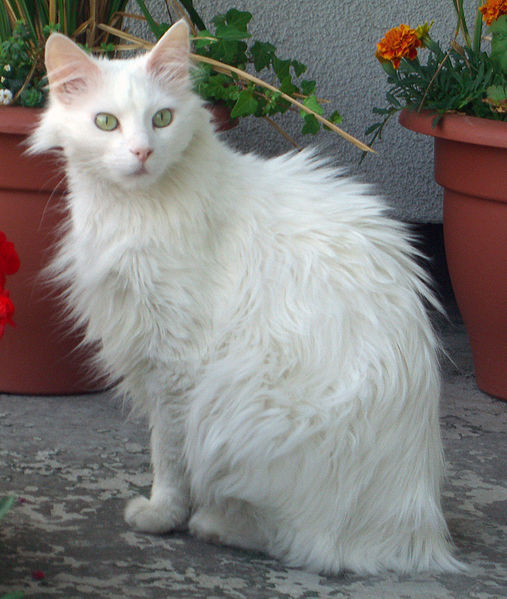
228	41
16	62
5	505
24	31
462	79
499	43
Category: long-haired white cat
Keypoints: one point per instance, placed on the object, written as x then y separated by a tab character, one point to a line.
265	314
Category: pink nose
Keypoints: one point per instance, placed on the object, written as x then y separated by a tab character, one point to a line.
142	153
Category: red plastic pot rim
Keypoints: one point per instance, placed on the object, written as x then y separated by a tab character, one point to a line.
457	127
19	120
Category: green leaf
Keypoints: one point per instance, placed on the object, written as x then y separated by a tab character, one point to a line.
313	104
281	68
230	52
219	20
286	86
372	128
5	505
157	29
308	87
311	124
238	18
193	14
231	33
245	104
216	86
299	67
262	54
202	43
13	595
497	93
335	117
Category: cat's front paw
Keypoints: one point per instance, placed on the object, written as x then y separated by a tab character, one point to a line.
155	516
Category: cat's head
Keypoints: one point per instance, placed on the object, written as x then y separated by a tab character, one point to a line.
122	121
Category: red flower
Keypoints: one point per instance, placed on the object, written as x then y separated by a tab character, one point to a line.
38	575
6	310
9	264
9	260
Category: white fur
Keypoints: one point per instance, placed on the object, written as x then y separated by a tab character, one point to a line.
268	316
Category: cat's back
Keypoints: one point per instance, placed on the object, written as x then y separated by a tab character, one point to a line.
313	250
296	209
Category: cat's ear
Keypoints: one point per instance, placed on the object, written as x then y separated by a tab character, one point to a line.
170	57
71	72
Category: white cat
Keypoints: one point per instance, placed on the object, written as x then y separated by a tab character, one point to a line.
265	314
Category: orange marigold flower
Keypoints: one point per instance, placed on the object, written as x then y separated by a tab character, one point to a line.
492	10
399	42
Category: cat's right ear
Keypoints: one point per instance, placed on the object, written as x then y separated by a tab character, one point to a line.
71	72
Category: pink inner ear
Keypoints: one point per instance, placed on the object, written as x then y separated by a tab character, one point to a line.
71	72
170	57
74	86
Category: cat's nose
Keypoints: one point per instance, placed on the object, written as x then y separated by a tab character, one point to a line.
142	153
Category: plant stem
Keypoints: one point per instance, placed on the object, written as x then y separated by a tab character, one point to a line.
435	74
477	32
282	132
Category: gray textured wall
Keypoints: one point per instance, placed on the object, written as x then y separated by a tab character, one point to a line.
336	39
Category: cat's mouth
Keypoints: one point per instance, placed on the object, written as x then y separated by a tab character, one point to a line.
140	171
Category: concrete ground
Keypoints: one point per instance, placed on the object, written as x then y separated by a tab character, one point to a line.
72	462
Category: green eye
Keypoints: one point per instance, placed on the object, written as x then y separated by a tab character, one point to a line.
162	118
106	122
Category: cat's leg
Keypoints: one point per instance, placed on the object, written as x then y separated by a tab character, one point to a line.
168	506
232	523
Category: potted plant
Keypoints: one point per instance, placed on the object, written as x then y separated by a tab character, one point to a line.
223	51
43	357
459	96
40	358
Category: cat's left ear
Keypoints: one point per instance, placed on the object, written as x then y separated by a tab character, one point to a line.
170	57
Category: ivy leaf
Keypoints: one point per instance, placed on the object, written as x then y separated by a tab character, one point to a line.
218	20
299	67
231	33
281	68
245	104
308	87
313	104
230	52
335	117
238	18
311	124
262	54
287	87
216	86
202	43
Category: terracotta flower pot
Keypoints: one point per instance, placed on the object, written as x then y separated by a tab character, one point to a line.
471	166
39	355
